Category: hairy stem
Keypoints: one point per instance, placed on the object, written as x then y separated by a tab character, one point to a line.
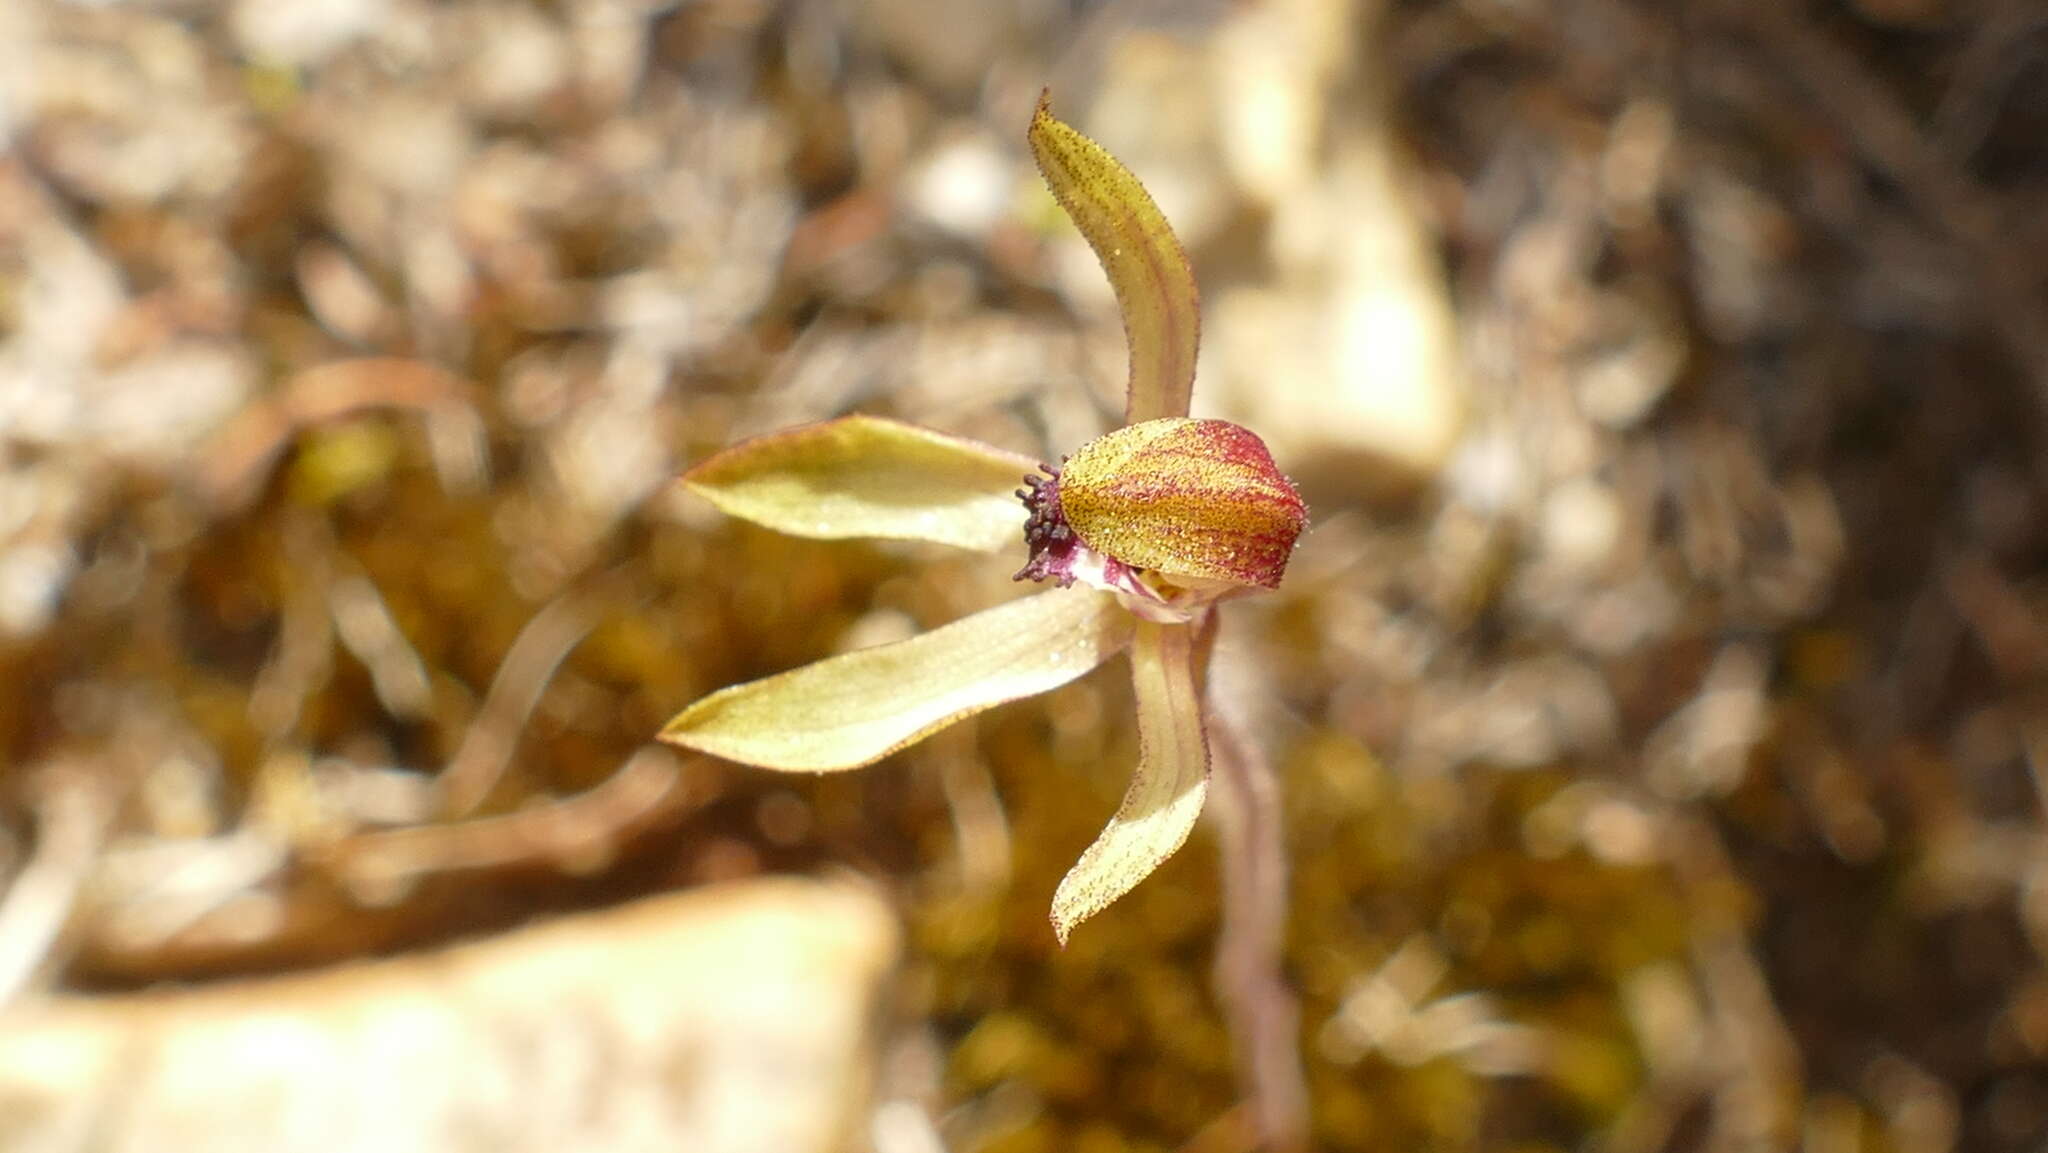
1261	1009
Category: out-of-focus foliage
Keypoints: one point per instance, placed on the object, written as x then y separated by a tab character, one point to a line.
1658	691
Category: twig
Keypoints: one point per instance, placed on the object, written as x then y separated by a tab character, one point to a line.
980	827
231	471
366	627
72	818
1757	1068
304	656
528	666
578	834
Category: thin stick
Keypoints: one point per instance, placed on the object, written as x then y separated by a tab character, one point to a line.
539	649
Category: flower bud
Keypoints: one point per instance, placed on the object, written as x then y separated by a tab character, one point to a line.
1196	500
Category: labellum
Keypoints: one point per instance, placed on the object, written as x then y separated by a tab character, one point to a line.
1192	504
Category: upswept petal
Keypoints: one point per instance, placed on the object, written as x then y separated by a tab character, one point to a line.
852	710
1155	288
1166	793
864	476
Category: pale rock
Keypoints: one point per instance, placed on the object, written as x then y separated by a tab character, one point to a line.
1356	352
1276	60
1704	749
1620	387
611	453
1582	521
516	59
32	580
608	48
16	55
405	143
946	45
303	33
735	1019
964	186
158	410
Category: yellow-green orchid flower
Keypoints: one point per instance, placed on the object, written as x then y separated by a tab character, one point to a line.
1157	521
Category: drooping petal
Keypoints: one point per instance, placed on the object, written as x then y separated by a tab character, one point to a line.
854	709
864	476
1187	498
1166	793
1154	286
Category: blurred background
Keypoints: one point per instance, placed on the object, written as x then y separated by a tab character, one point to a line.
1659	694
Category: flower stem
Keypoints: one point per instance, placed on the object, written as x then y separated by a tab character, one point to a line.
1262	1012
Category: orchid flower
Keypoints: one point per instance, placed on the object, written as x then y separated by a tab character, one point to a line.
1155	523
